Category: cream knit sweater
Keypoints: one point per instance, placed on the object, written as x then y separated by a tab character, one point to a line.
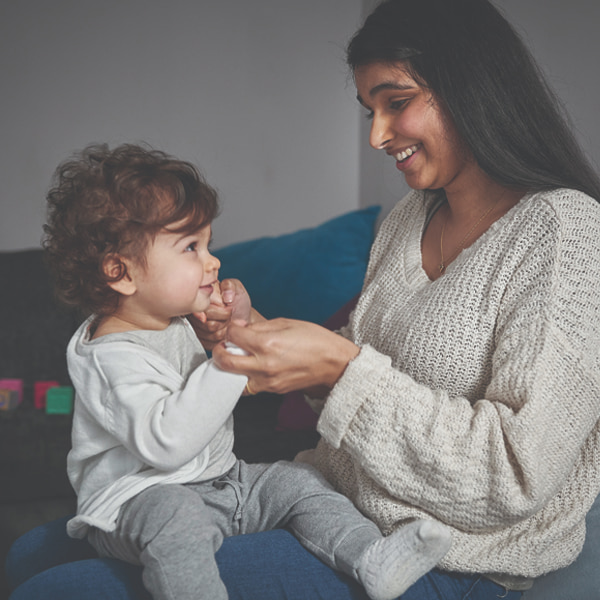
475	398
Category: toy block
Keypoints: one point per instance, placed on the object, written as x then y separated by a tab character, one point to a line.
13	384
40	388
9	399
59	400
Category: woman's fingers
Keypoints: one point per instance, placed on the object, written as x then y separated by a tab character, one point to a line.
285	354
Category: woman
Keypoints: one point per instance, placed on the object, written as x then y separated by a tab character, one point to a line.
466	387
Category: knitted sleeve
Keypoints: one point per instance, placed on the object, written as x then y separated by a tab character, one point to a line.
485	463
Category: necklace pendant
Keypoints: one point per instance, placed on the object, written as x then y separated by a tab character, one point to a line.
442	267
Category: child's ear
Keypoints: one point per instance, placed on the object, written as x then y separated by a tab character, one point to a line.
117	273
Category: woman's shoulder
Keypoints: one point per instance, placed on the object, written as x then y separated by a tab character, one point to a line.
566	204
555	214
562	225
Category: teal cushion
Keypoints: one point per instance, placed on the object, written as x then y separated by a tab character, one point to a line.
308	274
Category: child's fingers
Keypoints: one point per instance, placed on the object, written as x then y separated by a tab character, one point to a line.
214	326
218	313
230	288
216	297
228	296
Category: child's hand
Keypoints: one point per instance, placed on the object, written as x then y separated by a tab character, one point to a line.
235	296
229	300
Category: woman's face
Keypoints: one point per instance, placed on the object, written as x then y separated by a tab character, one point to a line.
409	125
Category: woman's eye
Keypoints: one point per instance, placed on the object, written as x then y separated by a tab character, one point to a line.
398	104
394	105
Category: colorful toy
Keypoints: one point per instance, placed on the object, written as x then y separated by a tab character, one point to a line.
9	399
59	400
15	385
40	388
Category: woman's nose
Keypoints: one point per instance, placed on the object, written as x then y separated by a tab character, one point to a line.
381	133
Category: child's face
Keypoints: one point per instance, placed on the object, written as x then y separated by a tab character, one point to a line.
178	277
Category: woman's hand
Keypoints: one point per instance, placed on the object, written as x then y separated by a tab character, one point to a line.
285	355
229	300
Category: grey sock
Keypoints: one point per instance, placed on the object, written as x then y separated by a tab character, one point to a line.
389	566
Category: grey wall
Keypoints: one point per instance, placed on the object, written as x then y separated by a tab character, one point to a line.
565	39
254	91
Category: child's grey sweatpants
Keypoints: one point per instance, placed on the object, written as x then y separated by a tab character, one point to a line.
173	531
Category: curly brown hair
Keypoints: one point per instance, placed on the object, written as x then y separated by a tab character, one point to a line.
112	203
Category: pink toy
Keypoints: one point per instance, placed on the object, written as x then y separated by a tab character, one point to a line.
15	385
40	388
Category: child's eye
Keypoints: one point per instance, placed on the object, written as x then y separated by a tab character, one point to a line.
191	247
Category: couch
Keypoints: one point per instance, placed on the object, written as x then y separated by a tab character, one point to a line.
313	274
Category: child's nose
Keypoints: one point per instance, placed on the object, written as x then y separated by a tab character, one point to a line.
213	264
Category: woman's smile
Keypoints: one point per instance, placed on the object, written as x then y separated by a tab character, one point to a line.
406	157
408	152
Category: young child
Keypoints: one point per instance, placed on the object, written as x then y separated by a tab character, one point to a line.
152	464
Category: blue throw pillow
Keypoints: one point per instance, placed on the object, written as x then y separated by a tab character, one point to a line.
307	274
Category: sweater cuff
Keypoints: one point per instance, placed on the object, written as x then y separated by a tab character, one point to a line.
352	389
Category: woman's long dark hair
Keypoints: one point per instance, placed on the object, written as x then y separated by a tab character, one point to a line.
474	62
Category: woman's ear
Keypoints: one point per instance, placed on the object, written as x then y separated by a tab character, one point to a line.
117	273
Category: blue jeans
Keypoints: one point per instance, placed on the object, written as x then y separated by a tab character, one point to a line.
46	563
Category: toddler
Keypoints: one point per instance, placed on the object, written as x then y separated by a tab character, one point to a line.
151	462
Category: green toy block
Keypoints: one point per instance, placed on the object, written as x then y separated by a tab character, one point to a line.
59	400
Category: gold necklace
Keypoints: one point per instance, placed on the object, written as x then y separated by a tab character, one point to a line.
461	246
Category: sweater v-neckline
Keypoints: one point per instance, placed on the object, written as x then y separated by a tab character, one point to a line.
428	205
